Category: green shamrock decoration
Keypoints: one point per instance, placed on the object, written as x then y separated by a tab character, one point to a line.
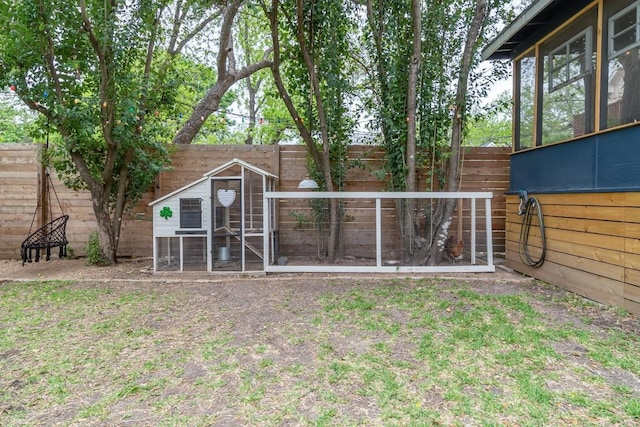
166	212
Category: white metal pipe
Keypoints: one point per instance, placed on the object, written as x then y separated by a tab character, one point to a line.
384	269
378	233
473	231
376	195
181	240
489	228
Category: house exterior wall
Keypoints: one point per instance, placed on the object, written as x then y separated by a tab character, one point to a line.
609	161
592	245
589	192
581	160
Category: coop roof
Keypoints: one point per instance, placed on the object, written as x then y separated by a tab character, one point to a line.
244	164
213	172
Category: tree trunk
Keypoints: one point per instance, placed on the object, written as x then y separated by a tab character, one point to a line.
305	133
446	208
409	214
334	206
108	247
322	163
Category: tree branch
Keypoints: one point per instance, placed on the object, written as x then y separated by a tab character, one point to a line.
227	77
95	43
178	19
201	25
286	98
226	40
49	54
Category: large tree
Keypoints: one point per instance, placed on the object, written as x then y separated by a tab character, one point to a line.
102	73
394	35
478	14
316	33
424	54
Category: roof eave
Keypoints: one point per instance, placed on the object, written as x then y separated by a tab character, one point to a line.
503	45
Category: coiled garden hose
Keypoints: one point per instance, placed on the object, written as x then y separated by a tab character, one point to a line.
530	207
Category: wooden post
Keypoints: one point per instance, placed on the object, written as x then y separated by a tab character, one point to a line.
44	192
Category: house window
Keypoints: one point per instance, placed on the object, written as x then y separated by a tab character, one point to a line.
190	213
624	30
524	97
565	107
560	93
622	103
570	61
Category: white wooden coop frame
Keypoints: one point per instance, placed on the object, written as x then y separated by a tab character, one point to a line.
271	200
216	223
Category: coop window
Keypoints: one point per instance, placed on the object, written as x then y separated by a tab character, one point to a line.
624	30
190	213
570	61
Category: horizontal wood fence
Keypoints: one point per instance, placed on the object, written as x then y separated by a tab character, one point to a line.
484	169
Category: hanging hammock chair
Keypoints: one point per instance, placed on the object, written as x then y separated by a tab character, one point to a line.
49	236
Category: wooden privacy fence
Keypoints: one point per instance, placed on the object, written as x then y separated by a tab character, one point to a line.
484	169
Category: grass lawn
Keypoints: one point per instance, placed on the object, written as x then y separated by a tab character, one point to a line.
313	352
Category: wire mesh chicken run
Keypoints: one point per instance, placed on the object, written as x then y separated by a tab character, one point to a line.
370	237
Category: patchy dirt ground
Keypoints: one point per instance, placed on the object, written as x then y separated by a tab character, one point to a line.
75	269
198	344
503	281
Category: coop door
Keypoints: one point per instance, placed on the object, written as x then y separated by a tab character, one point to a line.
227	224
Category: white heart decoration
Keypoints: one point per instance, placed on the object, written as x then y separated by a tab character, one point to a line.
226	197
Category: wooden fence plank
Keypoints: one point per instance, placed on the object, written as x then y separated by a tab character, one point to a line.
486	170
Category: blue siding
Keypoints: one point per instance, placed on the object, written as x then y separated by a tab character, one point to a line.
606	162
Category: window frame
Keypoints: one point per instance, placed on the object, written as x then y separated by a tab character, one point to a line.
586	63
518	142
611	36
188	213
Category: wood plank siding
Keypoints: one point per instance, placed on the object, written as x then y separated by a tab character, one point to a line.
593	246
484	169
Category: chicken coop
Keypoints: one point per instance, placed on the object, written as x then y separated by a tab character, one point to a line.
217	223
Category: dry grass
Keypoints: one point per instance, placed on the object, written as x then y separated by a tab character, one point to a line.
395	352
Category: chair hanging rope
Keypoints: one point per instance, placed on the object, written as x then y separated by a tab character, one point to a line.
53	233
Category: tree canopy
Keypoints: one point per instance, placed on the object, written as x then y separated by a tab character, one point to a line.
106	76
117	81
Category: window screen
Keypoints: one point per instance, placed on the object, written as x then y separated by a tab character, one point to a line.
624	30
570	61
190	213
